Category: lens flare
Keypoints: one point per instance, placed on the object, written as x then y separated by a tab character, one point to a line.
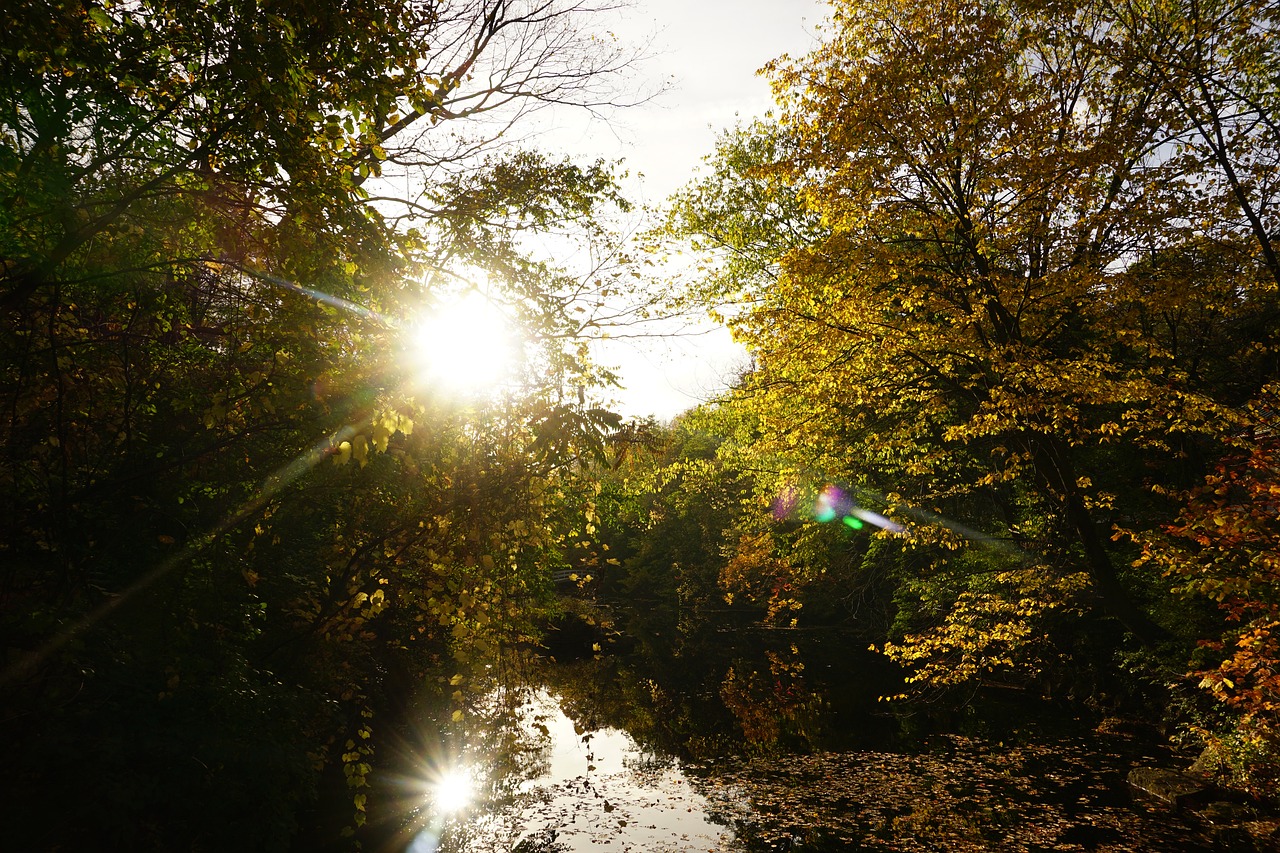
466	346
877	519
426	841
832	504
785	503
453	791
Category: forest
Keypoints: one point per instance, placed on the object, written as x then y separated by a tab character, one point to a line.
1007	272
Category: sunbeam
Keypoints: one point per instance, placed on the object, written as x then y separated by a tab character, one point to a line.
270	487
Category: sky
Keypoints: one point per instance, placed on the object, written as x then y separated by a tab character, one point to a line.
707	53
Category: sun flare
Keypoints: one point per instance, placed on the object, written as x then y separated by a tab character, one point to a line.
465	346
453	792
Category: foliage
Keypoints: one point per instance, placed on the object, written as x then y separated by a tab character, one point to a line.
1005	271
666	506
998	626
740	218
1223	547
1208	66
957	309
242	539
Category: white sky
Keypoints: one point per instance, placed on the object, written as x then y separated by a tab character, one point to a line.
708	52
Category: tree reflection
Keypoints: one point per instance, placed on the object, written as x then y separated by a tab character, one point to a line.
706	692
774	707
749	730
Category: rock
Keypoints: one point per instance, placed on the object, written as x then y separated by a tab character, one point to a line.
1178	789
1208	763
1228	825
1229	818
1220	813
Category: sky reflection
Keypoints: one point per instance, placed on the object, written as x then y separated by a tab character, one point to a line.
597	791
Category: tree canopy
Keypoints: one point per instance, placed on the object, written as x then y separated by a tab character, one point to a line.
242	533
1005	271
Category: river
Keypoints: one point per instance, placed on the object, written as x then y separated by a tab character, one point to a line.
704	738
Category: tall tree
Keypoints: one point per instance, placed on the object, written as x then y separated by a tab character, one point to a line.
1210	64
968	326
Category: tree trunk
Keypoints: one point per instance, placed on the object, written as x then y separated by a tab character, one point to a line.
1054	469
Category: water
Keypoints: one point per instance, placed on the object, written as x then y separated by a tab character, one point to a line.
756	741
597	791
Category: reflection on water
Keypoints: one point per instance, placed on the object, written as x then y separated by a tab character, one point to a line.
758	741
454	791
595	790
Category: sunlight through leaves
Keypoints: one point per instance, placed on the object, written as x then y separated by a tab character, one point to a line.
465	347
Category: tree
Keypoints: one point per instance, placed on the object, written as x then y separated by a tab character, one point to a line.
239	533
1223	547
279	118
1209	63
973	330
743	218
665	505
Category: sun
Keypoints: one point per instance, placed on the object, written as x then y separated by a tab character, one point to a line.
465	346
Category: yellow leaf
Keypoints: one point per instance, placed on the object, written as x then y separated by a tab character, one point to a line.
342	455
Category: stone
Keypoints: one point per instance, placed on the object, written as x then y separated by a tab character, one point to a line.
1209	763
1170	786
1221	813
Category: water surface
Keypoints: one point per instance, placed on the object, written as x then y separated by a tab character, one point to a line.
760	741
